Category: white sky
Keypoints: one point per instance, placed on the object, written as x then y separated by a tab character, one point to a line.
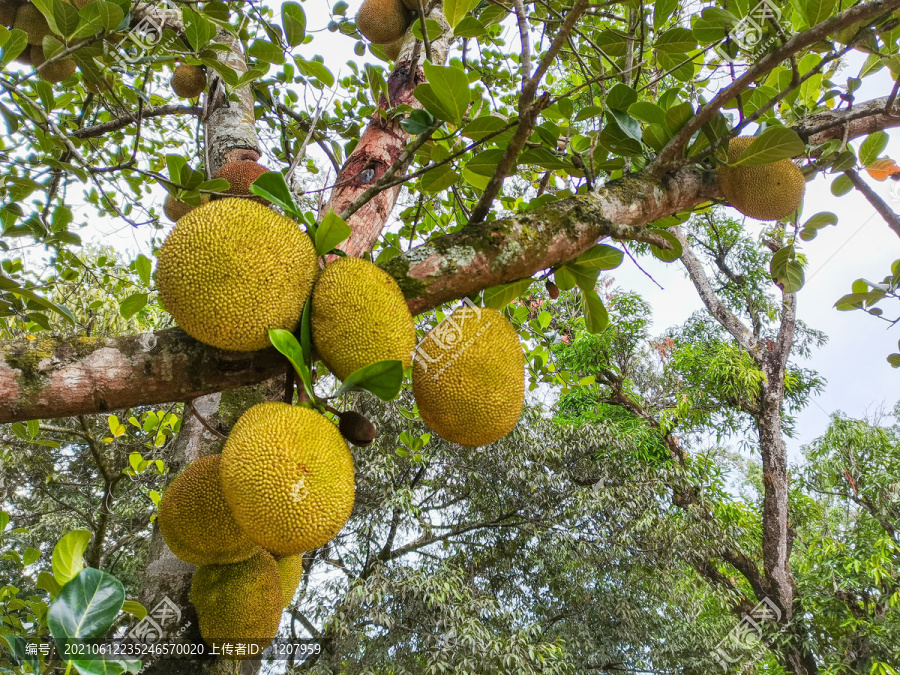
859	378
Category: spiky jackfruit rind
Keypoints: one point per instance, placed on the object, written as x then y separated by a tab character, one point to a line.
288	478
30	20
240	175
195	521
469	377
232	269
383	21
392	49
188	80
764	192
175	209
359	316
290	568
240	603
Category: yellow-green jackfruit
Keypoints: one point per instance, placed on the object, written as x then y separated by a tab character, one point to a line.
359	316
239	604
765	192
291	570
469	377
232	269
196	522
287	474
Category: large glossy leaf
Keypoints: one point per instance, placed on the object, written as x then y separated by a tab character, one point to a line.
446	94
382	378
332	231
873	146
667	254
601	257
787	270
293	20
68	554
272	186
499	297
596	318
772	145
285	342
86	606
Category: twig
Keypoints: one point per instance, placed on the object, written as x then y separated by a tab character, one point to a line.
885	211
206	425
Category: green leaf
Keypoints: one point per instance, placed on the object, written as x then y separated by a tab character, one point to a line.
821	219
272	186
105	666
873	146
264	50
285	342
851	301
86	606
564	279
46	8
446	95
663	10
306	331
678	115
46	582
485	162
596	318
143	267
620	97
67	555
15	45
30	556
772	145
316	70
786	270
418	122
601	257
470	27
499	297
197	28
678	40
627	124
647	112
332	231
99	17
483	126
293	20
382	378
438	179
132	305
841	185
816	11
135	608
456	10
66	17
667	255
894	360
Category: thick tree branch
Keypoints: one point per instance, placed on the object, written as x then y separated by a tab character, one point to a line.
131	118
885	211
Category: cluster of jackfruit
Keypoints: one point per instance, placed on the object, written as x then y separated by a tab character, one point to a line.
28	18
765	192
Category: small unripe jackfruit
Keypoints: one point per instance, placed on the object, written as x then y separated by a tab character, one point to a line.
359	316
290	569
287	475
469	377
383	21
175	209
240	175
240	603
30	19
357	429
57	71
232	269
765	192
188	81
195	520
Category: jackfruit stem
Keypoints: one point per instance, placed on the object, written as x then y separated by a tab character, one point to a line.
206	425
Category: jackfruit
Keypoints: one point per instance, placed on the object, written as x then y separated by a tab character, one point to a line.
230	270
290	569
239	604
359	317
56	71
392	49
175	209
413	5
188	81
765	192
240	176
287	475
30	19
195	521
8	10
383	21
469	377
